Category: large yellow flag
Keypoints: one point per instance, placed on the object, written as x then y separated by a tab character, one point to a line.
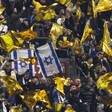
32	97
10	41
87	32
65	43
28	34
103	5
12	85
60	82
106	41
46	13
55	32
102	82
105	82
42	95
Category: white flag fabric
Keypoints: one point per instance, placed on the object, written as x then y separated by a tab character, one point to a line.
22	66
48	60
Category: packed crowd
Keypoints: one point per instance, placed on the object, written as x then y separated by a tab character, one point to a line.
82	94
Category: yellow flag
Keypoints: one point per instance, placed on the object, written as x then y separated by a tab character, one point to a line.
46	13
12	85
10	41
30	98
43	98
55	32
28	34
105	82
106	41
17	36
65	43
17	108
37	5
67	82
76	46
87	32
103	5
60	82
102	82
1	8
31	60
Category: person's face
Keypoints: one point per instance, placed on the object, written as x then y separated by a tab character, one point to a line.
100	56
35	81
65	30
26	76
90	60
77	81
25	22
98	67
15	10
73	88
62	11
8	67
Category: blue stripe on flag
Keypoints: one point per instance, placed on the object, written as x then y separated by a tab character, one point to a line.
30	65
55	57
41	63
15	57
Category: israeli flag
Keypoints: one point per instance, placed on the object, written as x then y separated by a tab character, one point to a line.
48	60
22	66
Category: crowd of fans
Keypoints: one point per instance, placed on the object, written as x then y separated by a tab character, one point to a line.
82	94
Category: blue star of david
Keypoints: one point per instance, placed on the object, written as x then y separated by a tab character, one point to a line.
48	60
23	64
